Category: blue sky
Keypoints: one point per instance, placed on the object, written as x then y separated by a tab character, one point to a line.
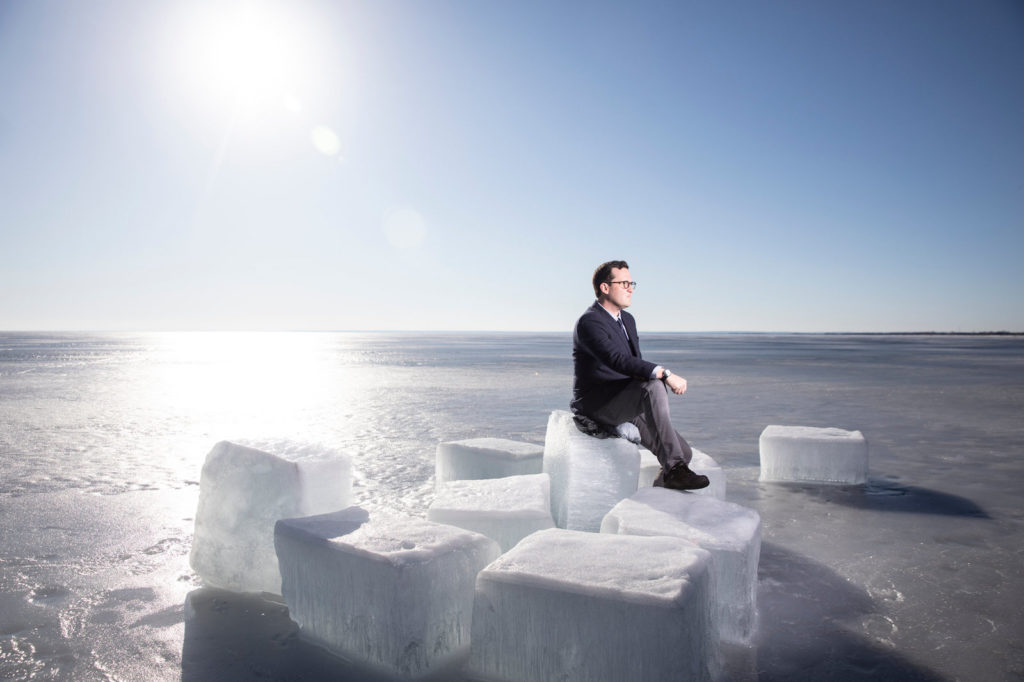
763	166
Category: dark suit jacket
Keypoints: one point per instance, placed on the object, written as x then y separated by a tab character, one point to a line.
603	362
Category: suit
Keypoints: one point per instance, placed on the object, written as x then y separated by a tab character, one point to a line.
612	384
604	361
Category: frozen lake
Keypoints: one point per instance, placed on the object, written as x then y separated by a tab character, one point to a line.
916	576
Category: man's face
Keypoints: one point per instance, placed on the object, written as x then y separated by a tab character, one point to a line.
619	295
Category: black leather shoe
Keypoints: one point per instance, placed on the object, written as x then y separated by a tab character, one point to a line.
682	478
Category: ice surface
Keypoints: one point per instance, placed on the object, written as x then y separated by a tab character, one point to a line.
477	458
394	593
588	475
504	509
807	453
905	578
650	467
243	492
731	532
702	463
569	605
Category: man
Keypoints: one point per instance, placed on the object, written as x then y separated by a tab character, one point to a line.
614	386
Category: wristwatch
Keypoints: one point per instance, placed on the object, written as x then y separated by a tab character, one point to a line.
666	373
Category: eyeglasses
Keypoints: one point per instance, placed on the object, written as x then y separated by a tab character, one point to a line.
625	284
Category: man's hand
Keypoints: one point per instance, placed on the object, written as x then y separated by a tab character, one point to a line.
676	384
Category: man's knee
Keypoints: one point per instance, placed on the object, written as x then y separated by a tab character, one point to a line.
656	396
655	388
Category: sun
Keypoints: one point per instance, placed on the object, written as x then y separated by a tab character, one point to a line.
244	57
258	77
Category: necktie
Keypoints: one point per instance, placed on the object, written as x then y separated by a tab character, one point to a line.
622	325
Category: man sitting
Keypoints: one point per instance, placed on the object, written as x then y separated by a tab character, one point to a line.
616	391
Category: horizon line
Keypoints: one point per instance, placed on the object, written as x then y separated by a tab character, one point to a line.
504	331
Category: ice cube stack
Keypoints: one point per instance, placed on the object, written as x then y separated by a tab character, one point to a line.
505	509
730	532
488	578
588	475
243	491
392	593
571	605
813	454
477	458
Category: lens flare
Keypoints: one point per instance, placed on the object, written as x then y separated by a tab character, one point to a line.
325	140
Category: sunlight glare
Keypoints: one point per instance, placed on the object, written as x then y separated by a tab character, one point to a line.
253	384
292	104
245	56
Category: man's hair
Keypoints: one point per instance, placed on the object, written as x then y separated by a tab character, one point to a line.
604	273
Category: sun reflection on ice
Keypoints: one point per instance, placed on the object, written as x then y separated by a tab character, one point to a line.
254	384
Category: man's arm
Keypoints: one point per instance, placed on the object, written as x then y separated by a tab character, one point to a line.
675	383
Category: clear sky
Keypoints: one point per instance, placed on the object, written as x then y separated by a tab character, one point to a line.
429	164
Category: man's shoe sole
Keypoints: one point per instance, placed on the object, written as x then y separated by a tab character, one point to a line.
695	482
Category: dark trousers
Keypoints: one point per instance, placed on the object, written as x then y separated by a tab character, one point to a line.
645	404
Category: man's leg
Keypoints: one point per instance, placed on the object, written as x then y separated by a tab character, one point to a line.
645	404
655	426
646	439
623	407
672	450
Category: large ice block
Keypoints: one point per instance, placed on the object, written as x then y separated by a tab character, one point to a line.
504	509
568	605
392	593
731	532
588	475
477	458
243	492
807	453
702	463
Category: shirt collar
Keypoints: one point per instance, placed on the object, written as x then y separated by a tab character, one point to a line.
613	315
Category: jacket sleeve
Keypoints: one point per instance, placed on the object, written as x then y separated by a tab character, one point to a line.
596	339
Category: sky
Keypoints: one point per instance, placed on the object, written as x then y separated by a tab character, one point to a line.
465	164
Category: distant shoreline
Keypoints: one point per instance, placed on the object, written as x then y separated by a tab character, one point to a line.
486	331
1001	333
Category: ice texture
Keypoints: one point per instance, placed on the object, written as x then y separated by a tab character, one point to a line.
702	463
390	592
588	475
650	467
568	605
243	492
731	532
504	509
807	453
477	458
